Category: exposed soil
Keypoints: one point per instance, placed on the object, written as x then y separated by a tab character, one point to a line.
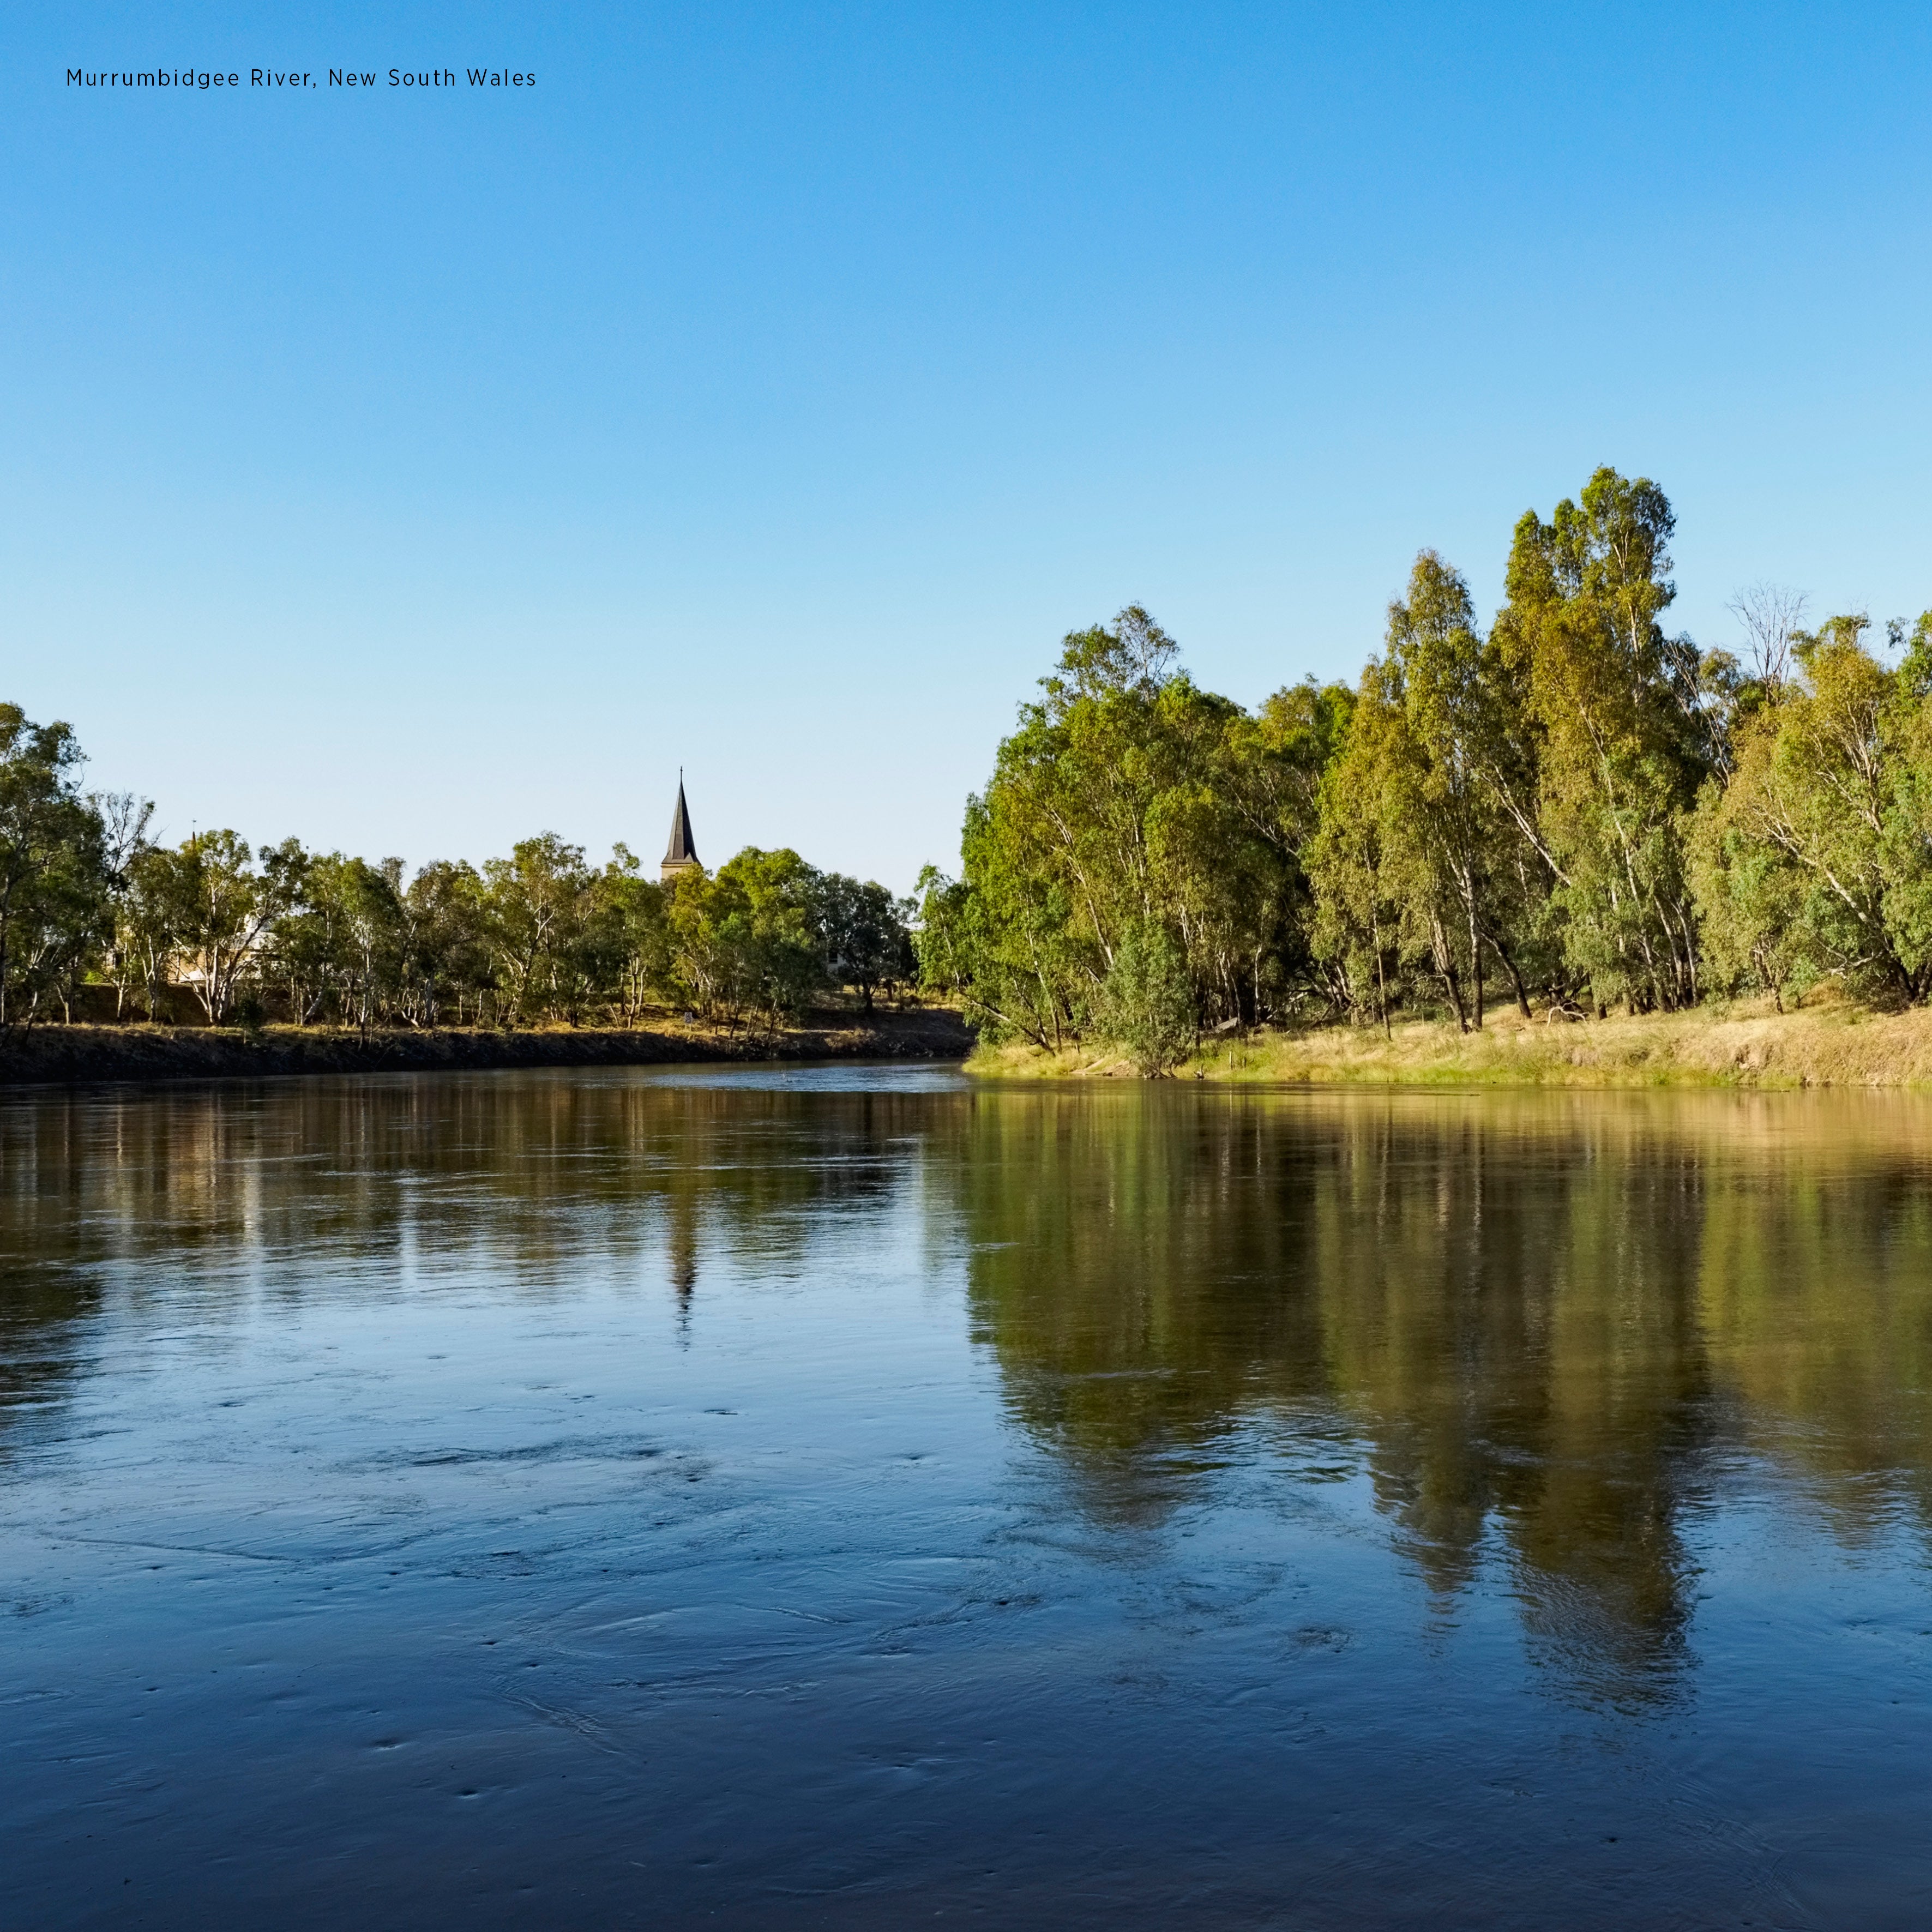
73	1054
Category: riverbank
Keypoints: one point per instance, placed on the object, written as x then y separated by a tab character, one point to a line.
1828	1045
57	1055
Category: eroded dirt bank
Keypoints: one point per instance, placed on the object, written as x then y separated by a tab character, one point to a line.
71	1054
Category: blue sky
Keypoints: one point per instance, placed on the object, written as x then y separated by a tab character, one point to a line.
767	389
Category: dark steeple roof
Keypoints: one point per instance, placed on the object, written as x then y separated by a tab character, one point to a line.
682	850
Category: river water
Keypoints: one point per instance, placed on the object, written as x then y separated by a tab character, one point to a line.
855	1498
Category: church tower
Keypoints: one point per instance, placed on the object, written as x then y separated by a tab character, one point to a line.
681	854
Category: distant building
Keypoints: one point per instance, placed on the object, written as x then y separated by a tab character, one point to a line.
681	854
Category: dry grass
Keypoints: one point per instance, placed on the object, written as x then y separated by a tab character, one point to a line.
1827	1044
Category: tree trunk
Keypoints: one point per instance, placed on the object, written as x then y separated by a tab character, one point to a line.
1475	934
1381	981
1516	979
1445	968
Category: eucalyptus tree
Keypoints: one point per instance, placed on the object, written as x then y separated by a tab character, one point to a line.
364	906
1056	850
702	968
747	938
537	908
1621	747
125	820
631	923
1224	825
337	945
145	909
1146	1003
1078	785
1816	858
764	905
1416	864
1268	778
1908	817
301	954
1442	813
864	932
1005	935
446	957
943	942
1126	795
1355	858
1771	616
54	868
219	905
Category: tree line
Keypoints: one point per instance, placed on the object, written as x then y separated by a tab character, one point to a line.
1570	810
87	898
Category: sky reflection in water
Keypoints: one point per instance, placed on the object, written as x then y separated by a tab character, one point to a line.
842	1496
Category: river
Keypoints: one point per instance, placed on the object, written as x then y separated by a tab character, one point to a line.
853	1497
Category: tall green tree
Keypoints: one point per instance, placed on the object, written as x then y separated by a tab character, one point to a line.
55	878
630	934
1460	774
219	905
445	955
1146	1003
1816	859
537	903
867	942
1623	741
1127	795
1415	850
146	941
746	940
363	906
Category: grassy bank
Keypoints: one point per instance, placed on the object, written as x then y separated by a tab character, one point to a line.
1828	1045
39	1054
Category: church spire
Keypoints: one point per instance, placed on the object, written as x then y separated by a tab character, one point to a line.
681	854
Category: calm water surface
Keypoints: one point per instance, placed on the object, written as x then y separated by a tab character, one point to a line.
854	1499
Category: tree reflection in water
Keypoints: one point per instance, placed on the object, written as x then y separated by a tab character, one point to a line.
514	1183
1544	1328
1545	1321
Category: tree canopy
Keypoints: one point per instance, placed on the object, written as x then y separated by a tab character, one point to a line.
539	936
1570	808
1566	809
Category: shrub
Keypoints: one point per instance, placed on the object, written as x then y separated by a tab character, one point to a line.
1146	1003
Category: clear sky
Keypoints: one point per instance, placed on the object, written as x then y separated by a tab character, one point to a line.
766	389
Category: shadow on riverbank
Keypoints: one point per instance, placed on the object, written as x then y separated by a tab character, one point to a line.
43	1054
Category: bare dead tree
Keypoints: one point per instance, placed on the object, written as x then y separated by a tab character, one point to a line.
1771	614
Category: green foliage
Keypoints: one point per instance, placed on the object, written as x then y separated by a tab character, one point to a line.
536	910
747	940
1357	878
1147	1001
1575	809
1572	808
1129	795
215	906
864	934
144	927
54	873
1621	733
443	968
539	936
338	941
631	935
1419	866
1816	858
